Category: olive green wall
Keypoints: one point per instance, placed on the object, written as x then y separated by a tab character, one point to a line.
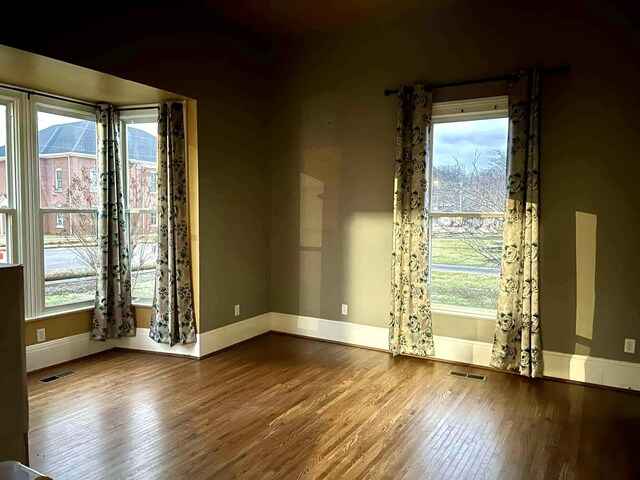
332	152
224	72
308	135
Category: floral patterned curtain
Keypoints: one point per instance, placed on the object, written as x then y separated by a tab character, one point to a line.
517	341
410	329
112	316
172	317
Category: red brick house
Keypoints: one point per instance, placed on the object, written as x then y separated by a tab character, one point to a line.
68	174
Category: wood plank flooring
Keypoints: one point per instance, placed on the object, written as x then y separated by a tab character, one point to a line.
280	407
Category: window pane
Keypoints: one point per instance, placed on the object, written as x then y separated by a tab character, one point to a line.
70	257
142	147
465	261
143	240
469	166
4	191
3	238
67	147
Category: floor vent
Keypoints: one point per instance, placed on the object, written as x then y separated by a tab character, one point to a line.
57	376
471	376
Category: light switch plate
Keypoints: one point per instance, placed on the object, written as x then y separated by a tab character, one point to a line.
237	310
41	335
345	309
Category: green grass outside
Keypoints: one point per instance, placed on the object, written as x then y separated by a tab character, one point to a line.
450	288
454	250
477	290
83	290
64	297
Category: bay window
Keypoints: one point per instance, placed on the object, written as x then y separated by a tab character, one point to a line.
49	186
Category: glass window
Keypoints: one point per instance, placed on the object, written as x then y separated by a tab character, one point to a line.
3	238
67	155
58	179
142	173
93	180
8	214
4	191
468	197
67	161
153	182
70	257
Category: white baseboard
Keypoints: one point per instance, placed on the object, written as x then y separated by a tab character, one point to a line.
344	332
599	371
53	352
578	368
144	343
224	337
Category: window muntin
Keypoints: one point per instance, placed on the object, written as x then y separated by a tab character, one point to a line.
140	145
468	195
67	145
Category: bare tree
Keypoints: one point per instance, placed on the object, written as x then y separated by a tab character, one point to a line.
81	232
474	189
142	230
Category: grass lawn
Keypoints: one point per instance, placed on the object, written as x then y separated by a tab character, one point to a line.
478	290
455	250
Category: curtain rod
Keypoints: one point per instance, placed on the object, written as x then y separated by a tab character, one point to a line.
501	78
65	99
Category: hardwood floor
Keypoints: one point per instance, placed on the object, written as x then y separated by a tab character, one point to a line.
280	407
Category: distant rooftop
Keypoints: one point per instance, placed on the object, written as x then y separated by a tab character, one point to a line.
79	137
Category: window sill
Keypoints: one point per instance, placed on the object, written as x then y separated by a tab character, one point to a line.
80	308
142	302
61	312
466	312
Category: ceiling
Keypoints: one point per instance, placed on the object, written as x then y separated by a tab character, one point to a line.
283	18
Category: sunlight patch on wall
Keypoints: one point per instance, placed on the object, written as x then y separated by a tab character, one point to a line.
586	227
311	211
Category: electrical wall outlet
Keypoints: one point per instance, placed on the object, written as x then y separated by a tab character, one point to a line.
41	335
237	310
629	345
345	309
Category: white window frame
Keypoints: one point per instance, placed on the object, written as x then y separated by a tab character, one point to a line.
149	115
462	111
36	212
13	147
